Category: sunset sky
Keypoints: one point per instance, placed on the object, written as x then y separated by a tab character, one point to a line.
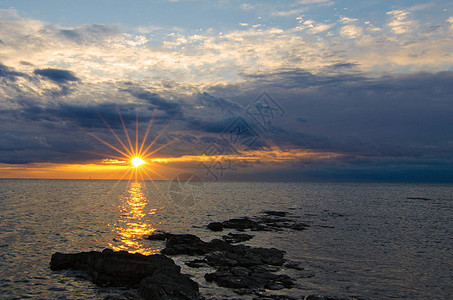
257	90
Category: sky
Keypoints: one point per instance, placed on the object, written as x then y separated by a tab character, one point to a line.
311	90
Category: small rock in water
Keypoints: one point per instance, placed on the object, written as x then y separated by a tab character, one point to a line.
293	265
321	297
418	198
299	226
215	226
275	213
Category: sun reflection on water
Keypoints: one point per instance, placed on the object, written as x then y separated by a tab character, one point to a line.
134	222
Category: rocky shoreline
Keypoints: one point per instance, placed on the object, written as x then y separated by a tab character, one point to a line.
244	269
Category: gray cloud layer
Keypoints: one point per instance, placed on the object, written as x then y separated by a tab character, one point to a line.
398	121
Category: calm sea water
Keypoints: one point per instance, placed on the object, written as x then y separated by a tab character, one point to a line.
366	240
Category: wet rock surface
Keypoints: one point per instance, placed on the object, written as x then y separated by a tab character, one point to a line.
157	276
240	267
247	270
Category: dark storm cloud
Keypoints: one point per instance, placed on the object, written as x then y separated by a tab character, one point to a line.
57	75
396	116
385	127
172	108
8	73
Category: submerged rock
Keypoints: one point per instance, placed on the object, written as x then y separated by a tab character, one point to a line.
157	275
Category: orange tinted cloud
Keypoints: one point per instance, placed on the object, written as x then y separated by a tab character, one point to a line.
158	168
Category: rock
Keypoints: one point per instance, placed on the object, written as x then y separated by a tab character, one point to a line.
196	263
248	278
190	244
159	236
418	198
184	244
241	224
265	295
299	226
275	213
293	265
321	297
243	292
237	237
246	256
271	221
130	295
306	274
157	276
215	226
164	285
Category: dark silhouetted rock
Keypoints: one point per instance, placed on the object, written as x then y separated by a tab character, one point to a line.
241	224
215	226
237	237
113	268
241	255
196	263
159	236
267	296
190	244
418	198
269	221
249	278
293	265
299	226
321	297
129	295
157	275
275	213
164	285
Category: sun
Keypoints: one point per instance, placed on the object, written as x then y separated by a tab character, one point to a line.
137	161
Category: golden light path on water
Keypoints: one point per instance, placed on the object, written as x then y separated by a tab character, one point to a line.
133	224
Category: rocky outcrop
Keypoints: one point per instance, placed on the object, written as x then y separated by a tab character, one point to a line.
157	276
190	244
166	285
267	221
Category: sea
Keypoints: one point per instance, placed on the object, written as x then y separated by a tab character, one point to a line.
365	240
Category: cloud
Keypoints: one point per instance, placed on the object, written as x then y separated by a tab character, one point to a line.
57	75
308	2
89	33
450	22
399	22
287	13
346	20
8	74
351	31
369	95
